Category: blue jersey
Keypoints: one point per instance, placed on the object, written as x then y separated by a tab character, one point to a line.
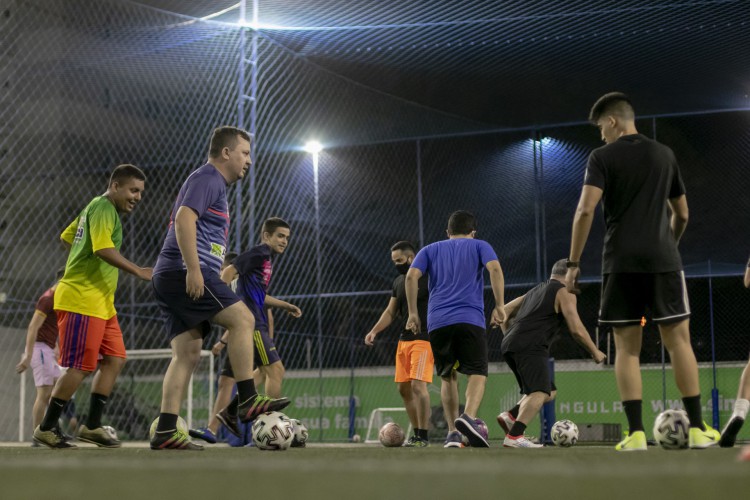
204	191
454	269
255	269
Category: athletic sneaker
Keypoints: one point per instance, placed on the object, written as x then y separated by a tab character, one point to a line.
203	433
520	442
53	439
699	439
229	421
453	440
173	440
415	442
98	436
729	434
260	404
506	421
469	428
635	441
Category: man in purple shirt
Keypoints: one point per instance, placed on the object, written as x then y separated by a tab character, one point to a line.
191	294
455	317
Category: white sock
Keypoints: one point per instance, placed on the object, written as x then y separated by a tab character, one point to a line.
741	406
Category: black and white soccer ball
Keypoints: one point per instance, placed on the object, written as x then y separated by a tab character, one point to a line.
300	434
273	431
671	429
564	433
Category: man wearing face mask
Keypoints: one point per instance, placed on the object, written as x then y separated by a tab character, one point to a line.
414	362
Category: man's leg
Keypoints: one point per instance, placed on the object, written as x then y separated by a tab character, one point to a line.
43	393
274	375
628	340
421	398
741	407
101	388
404	389
223	397
474	394
449	398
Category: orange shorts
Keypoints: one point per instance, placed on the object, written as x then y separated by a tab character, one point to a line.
414	361
84	339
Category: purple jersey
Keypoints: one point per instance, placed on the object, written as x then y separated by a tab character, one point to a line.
255	269
204	191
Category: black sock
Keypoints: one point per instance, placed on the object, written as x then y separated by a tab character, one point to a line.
246	390
54	410
514	411
167	422
421	434
233	406
518	429
634	412
98	402
693	409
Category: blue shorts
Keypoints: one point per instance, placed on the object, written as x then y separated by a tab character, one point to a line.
183	313
264	349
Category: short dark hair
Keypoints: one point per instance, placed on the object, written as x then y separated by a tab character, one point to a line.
560	268
229	258
613	103
59	273
404	246
461	222
271	224
225	137
123	172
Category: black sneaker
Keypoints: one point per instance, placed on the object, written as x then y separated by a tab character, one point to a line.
469	428
729	434
173	440
229	421
53	439
203	433
259	405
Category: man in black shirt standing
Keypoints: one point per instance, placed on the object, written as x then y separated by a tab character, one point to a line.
414	361
533	320
639	183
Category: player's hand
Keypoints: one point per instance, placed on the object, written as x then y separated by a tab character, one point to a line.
370	338
145	273
25	362
599	357
194	284
571	280
498	316
294	311
414	324
217	348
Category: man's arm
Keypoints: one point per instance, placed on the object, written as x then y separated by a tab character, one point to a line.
679	219
186	234
114	258
228	274
566	302
747	275
31	332
290	308
386	318
511	309
413	323
497	282
590	197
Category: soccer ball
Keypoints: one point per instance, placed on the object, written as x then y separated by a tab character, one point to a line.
391	435
273	431
111	432
671	429
564	433
483	430
181	426
300	434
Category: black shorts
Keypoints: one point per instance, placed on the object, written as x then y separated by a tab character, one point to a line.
264	349
531	369
183	313
626	297
461	346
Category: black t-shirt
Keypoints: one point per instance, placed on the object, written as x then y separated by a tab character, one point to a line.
638	175
255	269
536	322
399	293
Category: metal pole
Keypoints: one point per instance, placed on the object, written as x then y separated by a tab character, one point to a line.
240	123
714	390
536	210
22	408
253	117
318	289
420	208
543	229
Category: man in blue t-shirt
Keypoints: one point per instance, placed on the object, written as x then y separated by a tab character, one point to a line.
191	294
455	317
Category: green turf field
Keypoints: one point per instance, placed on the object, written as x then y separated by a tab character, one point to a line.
364	472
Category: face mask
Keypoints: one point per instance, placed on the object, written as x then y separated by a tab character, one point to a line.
403	268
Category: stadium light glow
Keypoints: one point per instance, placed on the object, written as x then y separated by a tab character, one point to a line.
313	147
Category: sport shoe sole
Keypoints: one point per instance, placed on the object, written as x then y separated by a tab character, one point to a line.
729	434
259	408
174	441
476	440
503	423
53	440
204	434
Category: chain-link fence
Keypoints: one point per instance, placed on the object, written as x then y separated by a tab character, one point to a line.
89	85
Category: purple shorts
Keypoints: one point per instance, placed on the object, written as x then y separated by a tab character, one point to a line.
43	363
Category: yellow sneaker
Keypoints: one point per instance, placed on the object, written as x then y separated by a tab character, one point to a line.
635	441
699	439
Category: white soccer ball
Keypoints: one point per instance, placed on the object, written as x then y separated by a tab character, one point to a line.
181	426
111	432
273	431
564	433
671	429
300	434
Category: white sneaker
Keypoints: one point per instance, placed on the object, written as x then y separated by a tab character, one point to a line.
519	442
506	421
